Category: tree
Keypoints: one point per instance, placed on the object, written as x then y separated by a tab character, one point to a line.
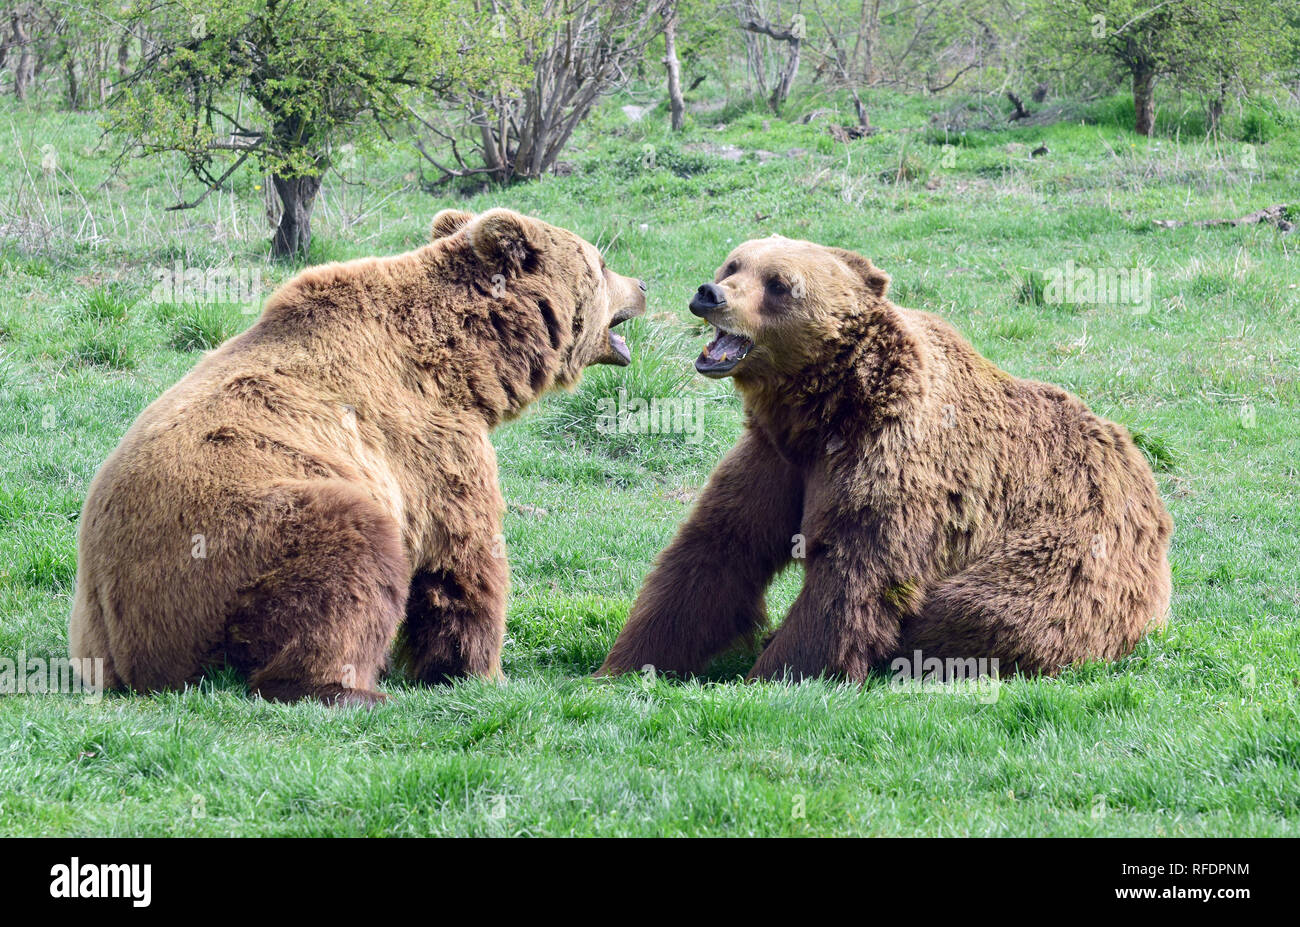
20	46
705	37
1197	43
1242	45
79	38
793	36
756	24
915	45
284	82
676	102
571	52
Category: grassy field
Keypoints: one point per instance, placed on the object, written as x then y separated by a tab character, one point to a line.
1197	732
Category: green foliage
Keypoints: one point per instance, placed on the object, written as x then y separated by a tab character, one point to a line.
1014	328
1031	289
1214	47
291	80
51	567
1156	449
105	346
202	326
1174	118
1263	120
704	40
909	167
104	304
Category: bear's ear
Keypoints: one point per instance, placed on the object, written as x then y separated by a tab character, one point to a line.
876	279
504	238
449	221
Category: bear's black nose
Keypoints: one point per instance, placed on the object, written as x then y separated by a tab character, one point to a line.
707	298
641	284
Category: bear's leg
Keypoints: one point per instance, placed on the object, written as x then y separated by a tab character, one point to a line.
456	608
319	620
1047	600
706	589
88	636
456	617
839	625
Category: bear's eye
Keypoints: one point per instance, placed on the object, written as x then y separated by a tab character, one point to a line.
776	287
729	270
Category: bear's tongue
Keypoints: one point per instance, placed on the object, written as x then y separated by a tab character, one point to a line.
727	347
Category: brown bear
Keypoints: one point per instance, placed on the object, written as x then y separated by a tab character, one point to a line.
326	478
938	504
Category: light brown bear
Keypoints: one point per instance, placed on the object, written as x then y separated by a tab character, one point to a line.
940	504
326	477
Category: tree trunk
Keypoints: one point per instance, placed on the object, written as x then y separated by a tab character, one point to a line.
124	55
864	49
102	80
23	71
1019	104
754	25
491	150
756	63
782	90
1144	100
298	196
74	86
1215	111
864	120
676	104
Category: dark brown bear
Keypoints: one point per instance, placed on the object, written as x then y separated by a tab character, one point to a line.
942	505
326	477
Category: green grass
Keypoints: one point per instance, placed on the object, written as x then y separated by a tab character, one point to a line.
201	326
104	346
1194	733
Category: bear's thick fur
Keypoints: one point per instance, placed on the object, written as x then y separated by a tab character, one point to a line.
326	477
940	504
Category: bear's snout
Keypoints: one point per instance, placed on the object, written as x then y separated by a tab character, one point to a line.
707	298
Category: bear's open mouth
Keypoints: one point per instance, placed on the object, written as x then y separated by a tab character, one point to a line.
722	353
618	345
619	354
